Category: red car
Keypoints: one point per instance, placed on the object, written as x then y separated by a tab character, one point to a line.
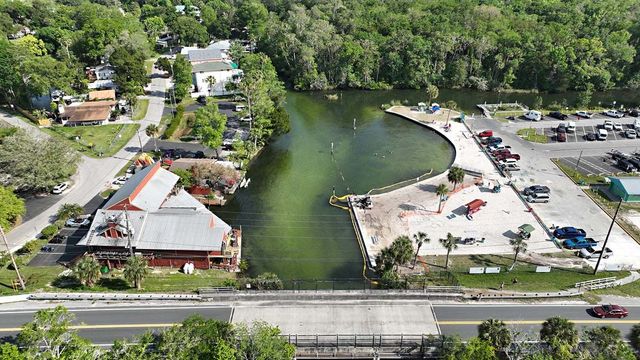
561	137
486	133
501	152
610	311
507	156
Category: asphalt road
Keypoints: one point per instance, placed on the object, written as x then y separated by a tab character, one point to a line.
464	320
103	325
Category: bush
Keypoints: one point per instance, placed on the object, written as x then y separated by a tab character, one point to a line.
49	231
30	247
267	281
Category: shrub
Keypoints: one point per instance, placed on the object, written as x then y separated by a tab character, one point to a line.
175	123
30	247
267	281
49	231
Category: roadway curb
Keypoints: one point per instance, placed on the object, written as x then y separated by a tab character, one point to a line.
14	298
113	297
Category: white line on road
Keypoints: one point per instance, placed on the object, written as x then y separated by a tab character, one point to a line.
124	309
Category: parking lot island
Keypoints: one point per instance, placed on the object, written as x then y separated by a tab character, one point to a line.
414	208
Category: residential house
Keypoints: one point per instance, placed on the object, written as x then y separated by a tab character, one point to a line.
87	113
192	10
102	95
211	78
101	77
152	217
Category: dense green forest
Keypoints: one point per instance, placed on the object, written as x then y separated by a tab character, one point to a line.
551	45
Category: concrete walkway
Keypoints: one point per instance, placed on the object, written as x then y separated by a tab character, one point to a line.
93	174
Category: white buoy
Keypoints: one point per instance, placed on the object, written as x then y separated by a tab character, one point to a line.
354	123
332	147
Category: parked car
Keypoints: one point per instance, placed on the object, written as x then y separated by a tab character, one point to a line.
568	232
202	100
626	166
240	107
510	167
558	115
538	198
119	180
501	152
610	311
533	115
58	239
584	114
594	253
495	147
579	243
246	118
562	128
591	137
602	134
608	125
60	188
80	221
508	156
561	137
631	134
490	140
485	133
614	113
617	126
536	189
571	126
507	161
634	112
636	124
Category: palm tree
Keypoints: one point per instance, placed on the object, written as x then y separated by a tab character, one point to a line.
402	249
211	81
68	211
135	270
432	92
496	332
451	105
152	131
519	245
442	190
450	244
87	270
420	238
455	176
384	260
558	331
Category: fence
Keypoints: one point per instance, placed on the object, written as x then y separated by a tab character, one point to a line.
399	185
596	284
433	281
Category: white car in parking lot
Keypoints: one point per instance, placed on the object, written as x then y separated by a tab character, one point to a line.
60	188
614	113
120	180
584	114
608	125
631	134
617	126
80	221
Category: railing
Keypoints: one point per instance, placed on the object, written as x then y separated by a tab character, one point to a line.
216	290
401	184
597	283
406	344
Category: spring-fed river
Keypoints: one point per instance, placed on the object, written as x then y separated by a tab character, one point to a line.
288	226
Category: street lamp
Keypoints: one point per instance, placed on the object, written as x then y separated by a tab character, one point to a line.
604	246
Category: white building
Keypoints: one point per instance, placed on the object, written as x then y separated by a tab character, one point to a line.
105	72
211	78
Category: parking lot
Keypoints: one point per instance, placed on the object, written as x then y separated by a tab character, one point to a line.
580	134
592	165
63	252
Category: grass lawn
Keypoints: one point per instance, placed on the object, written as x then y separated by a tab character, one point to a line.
530	134
95	140
578	177
528	279
632	289
140	110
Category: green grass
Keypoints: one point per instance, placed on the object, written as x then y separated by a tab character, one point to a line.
530	134
148	65
632	289
528	279
577	176
94	141
140	110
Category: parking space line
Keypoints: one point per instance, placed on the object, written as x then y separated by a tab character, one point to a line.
595	167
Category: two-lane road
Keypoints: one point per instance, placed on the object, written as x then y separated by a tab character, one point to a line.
463	320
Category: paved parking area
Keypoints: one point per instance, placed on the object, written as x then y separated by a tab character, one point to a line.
581	133
64	252
592	165
573	117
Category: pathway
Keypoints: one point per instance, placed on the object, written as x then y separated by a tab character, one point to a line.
93	174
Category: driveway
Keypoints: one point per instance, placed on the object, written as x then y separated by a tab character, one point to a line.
93	174
569	205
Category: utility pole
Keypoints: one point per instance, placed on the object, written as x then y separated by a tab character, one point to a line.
578	162
604	246
126	218
139	140
13	260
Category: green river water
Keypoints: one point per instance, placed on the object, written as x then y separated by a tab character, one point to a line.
288	226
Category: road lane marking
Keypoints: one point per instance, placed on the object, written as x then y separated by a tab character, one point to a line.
120	308
537	322
106	326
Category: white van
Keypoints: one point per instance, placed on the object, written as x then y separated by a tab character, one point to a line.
240	107
508	161
538	198
602	134
533	115
571	126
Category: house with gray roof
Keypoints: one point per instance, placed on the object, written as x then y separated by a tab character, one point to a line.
153	217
